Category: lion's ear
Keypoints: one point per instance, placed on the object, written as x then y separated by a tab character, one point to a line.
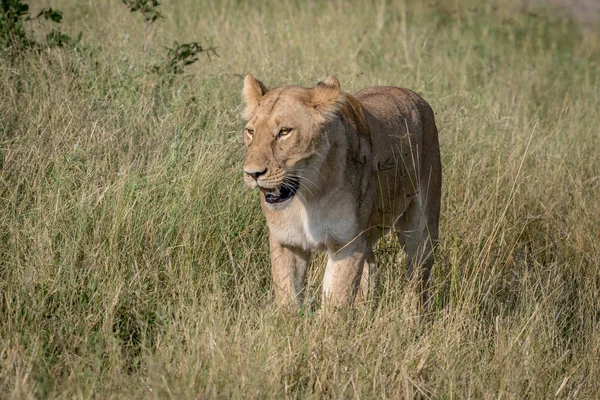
253	91
326	97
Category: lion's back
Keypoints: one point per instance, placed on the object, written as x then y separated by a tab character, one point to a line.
392	109
393	113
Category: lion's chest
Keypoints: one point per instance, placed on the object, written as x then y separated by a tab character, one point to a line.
313	226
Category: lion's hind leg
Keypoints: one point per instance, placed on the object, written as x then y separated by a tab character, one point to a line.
417	231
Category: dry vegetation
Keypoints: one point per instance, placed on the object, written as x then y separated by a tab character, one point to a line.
134	263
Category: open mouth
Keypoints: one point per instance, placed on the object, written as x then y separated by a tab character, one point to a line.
284	192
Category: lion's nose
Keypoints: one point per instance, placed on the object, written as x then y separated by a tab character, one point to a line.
255	173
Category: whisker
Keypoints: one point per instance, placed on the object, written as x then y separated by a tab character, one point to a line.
304	179
287	185
318	171
301	184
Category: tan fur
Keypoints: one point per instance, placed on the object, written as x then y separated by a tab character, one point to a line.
353	111
367	164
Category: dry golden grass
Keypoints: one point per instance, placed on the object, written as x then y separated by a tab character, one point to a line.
134	263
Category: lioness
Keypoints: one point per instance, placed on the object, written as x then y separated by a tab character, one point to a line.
336	171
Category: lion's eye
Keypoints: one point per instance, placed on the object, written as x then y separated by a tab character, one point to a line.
284	131
249	132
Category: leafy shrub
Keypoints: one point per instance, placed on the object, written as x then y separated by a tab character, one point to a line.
13	37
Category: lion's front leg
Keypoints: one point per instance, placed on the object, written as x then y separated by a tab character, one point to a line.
288	268
343	273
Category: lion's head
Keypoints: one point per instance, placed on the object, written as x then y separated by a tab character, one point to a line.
285	137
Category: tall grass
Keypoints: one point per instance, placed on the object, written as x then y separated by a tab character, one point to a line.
134	263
